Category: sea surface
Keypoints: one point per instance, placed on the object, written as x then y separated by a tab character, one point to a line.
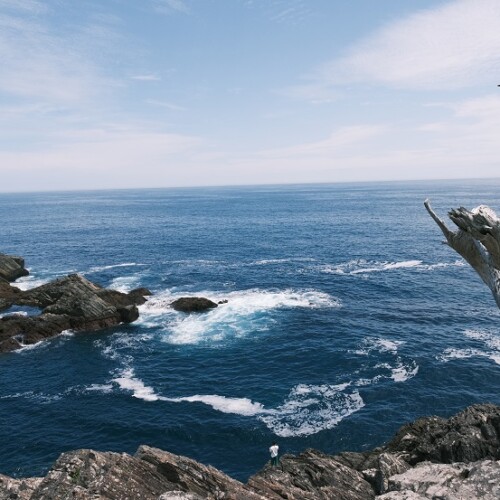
346	318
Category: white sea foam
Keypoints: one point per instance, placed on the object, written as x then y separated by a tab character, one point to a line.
30	347
312	408
125	283
246	311
35	396
115	346
488	338
308	409
128	381
29	282
361	266
15	313
97	269
239	406
103	388
403	372
488	343
264	262
378	344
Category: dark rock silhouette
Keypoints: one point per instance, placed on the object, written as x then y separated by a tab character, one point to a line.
192	304
408	467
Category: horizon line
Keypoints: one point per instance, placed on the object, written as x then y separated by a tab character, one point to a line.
221	186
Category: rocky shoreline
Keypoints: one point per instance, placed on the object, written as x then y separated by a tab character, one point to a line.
70	303
433	457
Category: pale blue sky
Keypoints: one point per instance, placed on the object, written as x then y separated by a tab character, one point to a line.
153	93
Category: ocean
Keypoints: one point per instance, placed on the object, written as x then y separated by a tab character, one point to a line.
346	318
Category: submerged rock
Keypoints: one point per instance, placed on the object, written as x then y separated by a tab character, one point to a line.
192	304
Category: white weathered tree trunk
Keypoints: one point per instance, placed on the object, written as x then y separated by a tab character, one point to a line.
477	241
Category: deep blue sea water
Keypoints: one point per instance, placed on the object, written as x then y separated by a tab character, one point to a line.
346	318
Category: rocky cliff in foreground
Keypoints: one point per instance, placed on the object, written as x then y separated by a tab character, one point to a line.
456	458
69	303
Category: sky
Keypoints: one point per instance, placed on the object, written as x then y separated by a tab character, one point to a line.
98	94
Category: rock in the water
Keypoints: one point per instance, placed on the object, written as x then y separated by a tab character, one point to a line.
69	303
192	304
11	267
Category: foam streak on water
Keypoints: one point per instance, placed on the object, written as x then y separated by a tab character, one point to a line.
361	266
486	344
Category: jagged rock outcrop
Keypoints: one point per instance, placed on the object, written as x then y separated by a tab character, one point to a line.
312	475
69	303
471	435
309	476
11	267
192	304
187	475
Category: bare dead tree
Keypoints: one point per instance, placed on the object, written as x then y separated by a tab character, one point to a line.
477	240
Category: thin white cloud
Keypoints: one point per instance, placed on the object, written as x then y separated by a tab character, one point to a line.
112	156
171	6
37	63
339	141
31	6
164	104
146	78
454	45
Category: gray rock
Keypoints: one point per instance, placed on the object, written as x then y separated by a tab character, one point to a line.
87	474
448	481
11	267
309	476
190	476
69	303
471	435
20	489
388	465
192	304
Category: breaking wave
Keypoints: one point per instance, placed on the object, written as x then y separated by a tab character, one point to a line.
245	311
